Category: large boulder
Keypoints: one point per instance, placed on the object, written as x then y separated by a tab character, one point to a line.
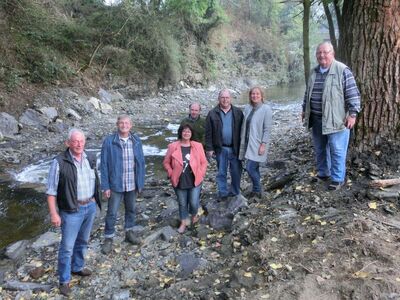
34	118
8	125
50	112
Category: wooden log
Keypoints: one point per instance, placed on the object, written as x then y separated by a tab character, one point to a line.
384	182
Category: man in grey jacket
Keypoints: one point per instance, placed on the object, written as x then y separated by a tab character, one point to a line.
330	108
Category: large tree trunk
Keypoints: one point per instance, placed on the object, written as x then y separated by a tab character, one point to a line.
370	46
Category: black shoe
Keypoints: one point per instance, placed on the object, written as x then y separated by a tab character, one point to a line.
107	246
65	289
131	238
316	179
334	186
84	272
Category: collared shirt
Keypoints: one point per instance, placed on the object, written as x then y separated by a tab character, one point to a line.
128	163
85	178
227	127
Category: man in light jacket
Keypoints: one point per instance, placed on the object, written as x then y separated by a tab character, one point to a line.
330	107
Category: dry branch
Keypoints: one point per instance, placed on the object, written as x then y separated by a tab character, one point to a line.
384	182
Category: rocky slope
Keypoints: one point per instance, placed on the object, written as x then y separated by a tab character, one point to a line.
299	241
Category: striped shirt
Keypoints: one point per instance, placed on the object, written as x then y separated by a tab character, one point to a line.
85	181
128	163
351	93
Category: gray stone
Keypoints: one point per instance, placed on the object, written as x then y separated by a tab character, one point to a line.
105	108
95	102
46	239
50	112
104	96
16	250
168	233
236	203
188	263
72	114
390	193
15	285
8	125
58	127
124	294
34	118
152	238
24	295
218	221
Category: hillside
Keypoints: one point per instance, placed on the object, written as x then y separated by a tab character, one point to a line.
84	44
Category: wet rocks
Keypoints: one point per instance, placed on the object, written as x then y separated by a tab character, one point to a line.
16	250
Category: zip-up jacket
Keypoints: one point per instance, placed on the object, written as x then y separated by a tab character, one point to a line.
112	163
214	129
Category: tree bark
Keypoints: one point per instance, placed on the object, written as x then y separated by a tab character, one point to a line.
370	46
331	25
306	38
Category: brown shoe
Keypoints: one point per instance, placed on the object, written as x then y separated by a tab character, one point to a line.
65	289
84	272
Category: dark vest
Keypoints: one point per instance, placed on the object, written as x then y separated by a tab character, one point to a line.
67	184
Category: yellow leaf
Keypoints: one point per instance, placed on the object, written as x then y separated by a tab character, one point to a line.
167	279
298	188
236	244
316	217
117	250
307	218
137	254
217	281
372	205
332	222
323	223
291	235
275	266
248	274
274	239
361	274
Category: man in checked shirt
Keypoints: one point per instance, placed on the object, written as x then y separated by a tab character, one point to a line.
122	177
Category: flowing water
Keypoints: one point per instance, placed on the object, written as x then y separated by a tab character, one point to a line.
23	207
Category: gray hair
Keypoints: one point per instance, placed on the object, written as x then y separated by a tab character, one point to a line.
224	90
123	117
329	44
72	131
190	105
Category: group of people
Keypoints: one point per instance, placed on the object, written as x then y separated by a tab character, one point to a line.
228	135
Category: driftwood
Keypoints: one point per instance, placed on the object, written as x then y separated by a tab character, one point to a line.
384	182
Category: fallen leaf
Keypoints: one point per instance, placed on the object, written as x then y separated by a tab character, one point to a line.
274	239
372	205
307	218
275	266
361	274
323	223
248	274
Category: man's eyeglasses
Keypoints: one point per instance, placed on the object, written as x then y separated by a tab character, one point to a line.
324	52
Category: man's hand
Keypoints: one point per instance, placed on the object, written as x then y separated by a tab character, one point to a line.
107	194
262	149
55	219
210	154
350	121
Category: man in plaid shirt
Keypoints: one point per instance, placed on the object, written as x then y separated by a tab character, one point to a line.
122	177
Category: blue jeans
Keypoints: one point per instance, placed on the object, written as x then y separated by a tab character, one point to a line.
330	151
226	158
188	200
75	233
253	169
112	211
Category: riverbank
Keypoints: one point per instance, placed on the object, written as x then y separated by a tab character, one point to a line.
300	241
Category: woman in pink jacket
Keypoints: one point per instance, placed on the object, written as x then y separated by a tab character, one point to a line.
186	164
